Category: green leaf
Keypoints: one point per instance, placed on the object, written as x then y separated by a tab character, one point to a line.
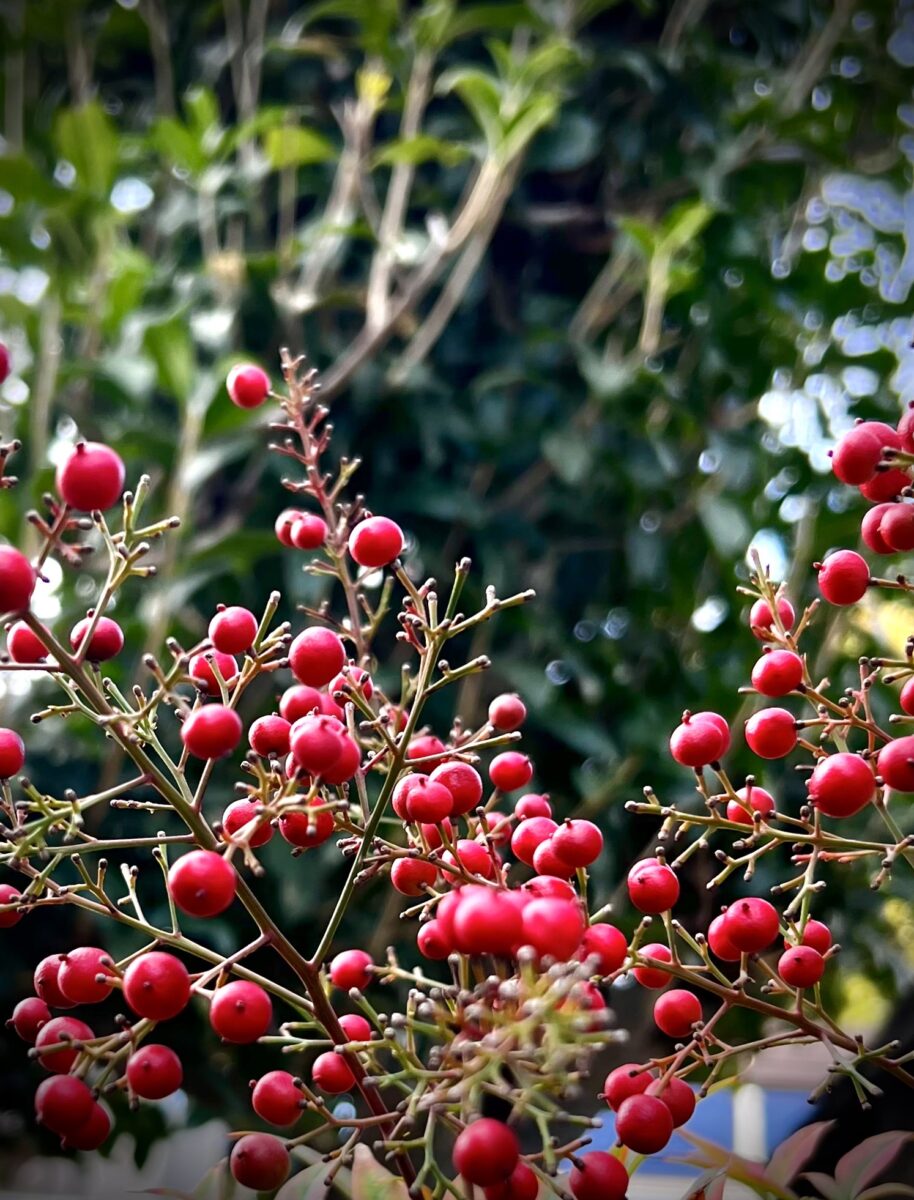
421	149
170	347
22	179
86	137
539	112
487	18
179	145
481	94
371	1181
683	224
295	145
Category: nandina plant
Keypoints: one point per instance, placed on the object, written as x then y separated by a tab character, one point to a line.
458	1064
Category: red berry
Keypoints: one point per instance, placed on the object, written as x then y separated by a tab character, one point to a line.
652	886
316	742
599	1177
9	895
896	764
771	732
28	1017
521	1184
697	742
53	1038
472	856
841	785
843	577
529	835
299	701
5	363
628	1080
718	722
428	801
432	941
510	771
463	782
815	934
870	531
897	527
240	1012
277	1098
859	451
532	805
241	813
91	477
375	542
12	753
156	985
355	1027
547	862
644	1124
17	580
507	712
247	385
486	1152
677	1096
801	966
761	618
905	430
777	673
676	1011
202	669
351	969
308	532
885	485
46	982
554	927
91	1133
269	735
753	797
78	969
654	978
332	1073
411	876
202	883
751	924
233	630
719	942
316	655
154	1072
307	829
284	523
346	763
212	731
487	921
607	944
25	646
260	1161
426	747
352	679
107	640
906	697
63	1103
579	842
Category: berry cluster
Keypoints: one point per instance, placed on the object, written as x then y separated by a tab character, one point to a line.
497	881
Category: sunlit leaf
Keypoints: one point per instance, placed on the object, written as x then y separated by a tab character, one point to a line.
295	145
86	137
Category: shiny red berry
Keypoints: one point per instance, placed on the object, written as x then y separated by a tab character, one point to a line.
28	1017
92	1133
463	782
843	577
212	731
91	477
309	828
644	1124
247	385
628	1080
607	944
761	618
23	645
269	735
308	532
202	883
156	985
433	941
599	1177
46	980
859	451
232	631
487	921
777	673
532	805
870	529
63	1103
801	966
896	764
754	799
652	886
202	670
654	978
154	1072
12	916
676	1011
332	1073
751	924
507	712
529	835
240	1012
842	785
486	1152
78	971
521	1184
375	542
299	701
277	1098
677	1096
553	927
698	742
578	842
411	876
260	1161
771	732
719	943
241	813
510	770
316	656
815	934
351	969
58	1043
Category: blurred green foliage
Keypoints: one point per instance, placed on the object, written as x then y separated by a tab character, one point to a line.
593	285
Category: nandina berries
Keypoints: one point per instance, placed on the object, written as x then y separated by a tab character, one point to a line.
554	927
12	753
240	1012
156	985
154	1072
212	731
247	385
676	1011
17	580
355	1027
751	799
870	529
896	528
316	656
241	814
777	673
751	924
529	835
510	771
521	1184
801	966
46	980
203	667
507	712
308	828
11	916
771	732
59	1043
351	969
701	739
277	1098
232	630
644	1124
427	801
463	782
605	943
202	883
532	805
269	735
841	785
578	842
5	362
433	940
599	1177
487	921
654	978
628	1080
761	618
105	641
896	764
375	542
91	477
720	944
308	532
28	1017
332	1073
815	934
677	1096
63	1103
652	886
859	452
91	1133
77	975
23	645
260	1161
486	1152
843	577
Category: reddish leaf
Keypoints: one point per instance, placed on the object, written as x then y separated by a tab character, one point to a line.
826	1185
867	1161
792	1155
371	1181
